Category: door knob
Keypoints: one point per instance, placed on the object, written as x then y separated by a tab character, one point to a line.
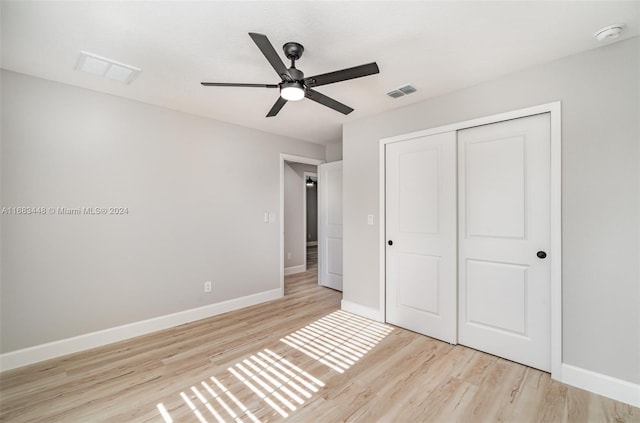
541	254
390	242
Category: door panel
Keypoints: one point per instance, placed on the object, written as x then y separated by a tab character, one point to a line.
502	312
504	219
495	188
330	225
421	223
420	276
334	256
333	193
418	190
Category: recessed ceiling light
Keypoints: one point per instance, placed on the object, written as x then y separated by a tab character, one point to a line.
609	32
101	66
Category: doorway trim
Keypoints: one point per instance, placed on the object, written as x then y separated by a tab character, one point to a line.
296	159
554	109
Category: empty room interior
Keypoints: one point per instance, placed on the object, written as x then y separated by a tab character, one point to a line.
310	211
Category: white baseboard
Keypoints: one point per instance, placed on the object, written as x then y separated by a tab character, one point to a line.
23	357
617	389
312	243
363	311
295	269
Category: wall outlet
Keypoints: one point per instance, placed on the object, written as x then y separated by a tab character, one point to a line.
207	286
289	256
369	219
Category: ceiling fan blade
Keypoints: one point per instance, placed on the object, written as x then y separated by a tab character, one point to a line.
269	52
342	75
327	101
232	84
276	107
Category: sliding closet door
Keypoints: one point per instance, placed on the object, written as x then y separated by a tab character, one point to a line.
504	239
421	235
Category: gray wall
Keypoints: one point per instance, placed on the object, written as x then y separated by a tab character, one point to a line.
599	90
196	190
294	186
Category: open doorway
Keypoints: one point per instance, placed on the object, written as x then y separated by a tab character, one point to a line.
296	213
310	213
299	210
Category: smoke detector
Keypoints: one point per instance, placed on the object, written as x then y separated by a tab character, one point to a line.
609	32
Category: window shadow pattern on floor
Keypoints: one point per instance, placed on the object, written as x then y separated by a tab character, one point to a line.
275	384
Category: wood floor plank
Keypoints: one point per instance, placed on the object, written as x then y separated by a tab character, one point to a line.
299	357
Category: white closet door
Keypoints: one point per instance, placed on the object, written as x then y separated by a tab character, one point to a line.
330	225
504	232
421	226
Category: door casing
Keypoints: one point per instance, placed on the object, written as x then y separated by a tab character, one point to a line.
554	109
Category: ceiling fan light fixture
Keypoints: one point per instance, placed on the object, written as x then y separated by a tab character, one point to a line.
294	86
292	91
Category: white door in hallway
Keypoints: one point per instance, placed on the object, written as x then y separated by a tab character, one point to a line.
421	235
330	225
504	237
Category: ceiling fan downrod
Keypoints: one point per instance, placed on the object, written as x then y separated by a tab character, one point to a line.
293	51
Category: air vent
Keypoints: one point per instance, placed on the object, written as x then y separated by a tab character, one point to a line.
404	90
101	66
407	89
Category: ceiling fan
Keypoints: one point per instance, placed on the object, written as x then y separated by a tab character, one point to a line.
294	86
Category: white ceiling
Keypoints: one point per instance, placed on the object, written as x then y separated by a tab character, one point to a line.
438	47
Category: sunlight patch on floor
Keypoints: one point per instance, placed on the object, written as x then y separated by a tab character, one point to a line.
338	340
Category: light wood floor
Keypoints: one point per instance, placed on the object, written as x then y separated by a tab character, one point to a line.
298	357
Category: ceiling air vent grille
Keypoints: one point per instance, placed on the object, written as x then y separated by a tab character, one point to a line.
404	90
407	89
395	93
101	66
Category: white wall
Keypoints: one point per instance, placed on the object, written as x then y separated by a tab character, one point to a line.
334	151
196	190
294	228
599	90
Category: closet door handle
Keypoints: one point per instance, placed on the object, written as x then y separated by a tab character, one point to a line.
541	254
390	242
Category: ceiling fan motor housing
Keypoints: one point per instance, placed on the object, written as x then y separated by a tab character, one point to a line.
293	51
296	74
